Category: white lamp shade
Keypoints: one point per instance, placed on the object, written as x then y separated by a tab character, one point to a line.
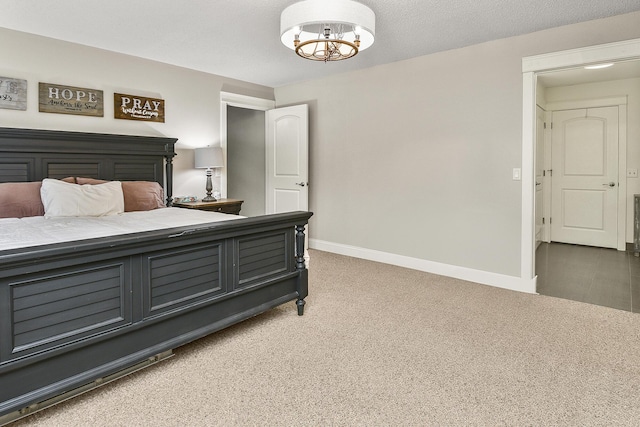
310	12
208	157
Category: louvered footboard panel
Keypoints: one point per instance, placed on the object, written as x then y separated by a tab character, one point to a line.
62	306
186	276
263	256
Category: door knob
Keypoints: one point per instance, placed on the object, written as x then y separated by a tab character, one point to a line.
611	184
302	184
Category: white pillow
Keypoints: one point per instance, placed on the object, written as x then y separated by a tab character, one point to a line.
65	199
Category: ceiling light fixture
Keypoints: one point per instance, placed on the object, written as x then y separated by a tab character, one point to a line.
327	30
598	66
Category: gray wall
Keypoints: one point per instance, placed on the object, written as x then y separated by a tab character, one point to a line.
415	157
246	159
192	97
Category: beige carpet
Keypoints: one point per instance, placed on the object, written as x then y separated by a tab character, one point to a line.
381	345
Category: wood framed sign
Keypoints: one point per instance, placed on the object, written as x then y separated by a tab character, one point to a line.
13	93
54	98
132	107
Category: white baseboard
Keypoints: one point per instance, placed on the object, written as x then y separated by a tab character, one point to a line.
463	273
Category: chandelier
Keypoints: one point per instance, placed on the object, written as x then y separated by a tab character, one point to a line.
327	30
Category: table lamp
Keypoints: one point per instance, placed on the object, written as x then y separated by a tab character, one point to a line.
208	157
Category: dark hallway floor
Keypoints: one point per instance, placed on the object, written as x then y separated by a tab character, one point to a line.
598	276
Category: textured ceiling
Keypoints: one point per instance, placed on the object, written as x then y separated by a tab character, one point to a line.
240	38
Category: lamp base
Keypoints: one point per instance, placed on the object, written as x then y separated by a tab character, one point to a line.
209	188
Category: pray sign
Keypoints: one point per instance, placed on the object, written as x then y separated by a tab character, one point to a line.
132	107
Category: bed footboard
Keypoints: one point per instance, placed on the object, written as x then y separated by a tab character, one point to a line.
71	314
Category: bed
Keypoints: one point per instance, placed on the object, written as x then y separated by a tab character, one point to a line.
76	313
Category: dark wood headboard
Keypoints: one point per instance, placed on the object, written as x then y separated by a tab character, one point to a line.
33	154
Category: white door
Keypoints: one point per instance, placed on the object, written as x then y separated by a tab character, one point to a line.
585	177
287	140
540	166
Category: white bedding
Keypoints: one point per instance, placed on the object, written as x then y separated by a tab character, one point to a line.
38	230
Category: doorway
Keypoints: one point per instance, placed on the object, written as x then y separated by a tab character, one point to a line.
583	162
241	161
269	154
245	158
546	65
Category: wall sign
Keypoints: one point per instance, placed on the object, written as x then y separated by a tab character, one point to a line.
132	107
79	101
13	93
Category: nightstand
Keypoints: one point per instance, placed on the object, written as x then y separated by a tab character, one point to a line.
229	206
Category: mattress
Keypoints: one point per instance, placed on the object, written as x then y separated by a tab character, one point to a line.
38	230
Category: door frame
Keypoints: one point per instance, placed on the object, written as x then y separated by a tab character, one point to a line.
621	103
241	101
541	113
531	67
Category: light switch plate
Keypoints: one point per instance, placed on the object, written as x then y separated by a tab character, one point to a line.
632	173
516	174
